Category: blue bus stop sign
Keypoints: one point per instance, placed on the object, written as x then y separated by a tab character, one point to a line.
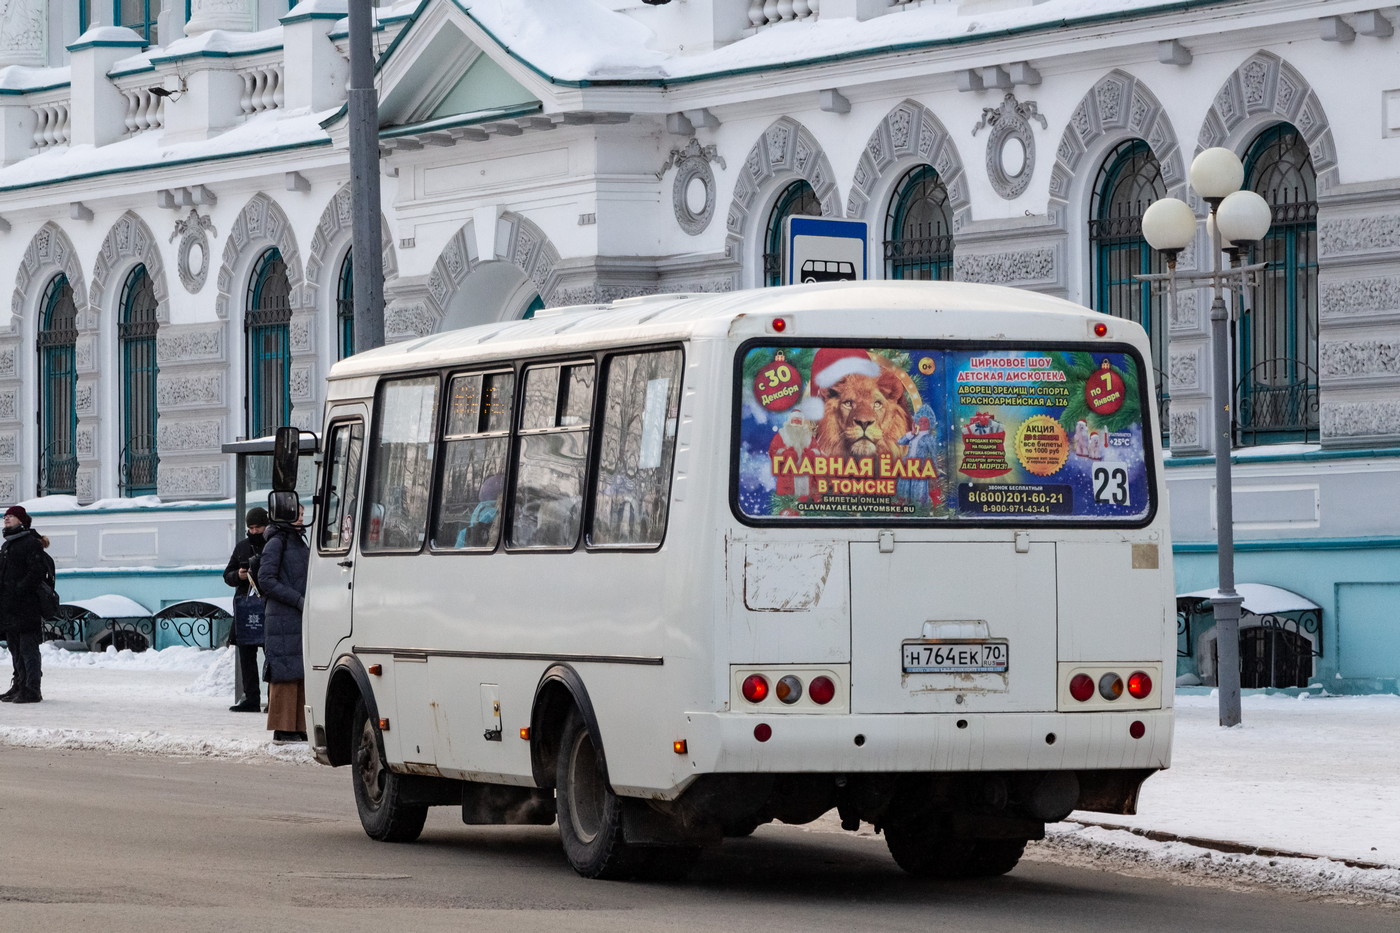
820	249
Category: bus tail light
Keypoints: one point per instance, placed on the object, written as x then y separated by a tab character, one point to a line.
1139	685
755	688
821	690
1110	686
1081	687
1137	730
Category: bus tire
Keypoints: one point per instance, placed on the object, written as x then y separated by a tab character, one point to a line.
590	814
379	791
923	852
993	857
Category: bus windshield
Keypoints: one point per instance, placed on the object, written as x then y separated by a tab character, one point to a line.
929	433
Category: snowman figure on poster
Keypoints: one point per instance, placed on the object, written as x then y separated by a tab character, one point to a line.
920	444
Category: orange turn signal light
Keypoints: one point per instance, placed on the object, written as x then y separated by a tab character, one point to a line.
678	746
525	733
383	725
376	669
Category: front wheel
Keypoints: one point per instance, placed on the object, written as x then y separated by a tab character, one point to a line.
590	814
379	791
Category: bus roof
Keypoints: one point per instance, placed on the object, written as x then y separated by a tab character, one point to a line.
687	316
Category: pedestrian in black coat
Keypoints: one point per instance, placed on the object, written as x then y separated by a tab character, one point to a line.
247	693
282	580
22	567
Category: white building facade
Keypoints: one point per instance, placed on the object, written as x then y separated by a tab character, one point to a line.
175	233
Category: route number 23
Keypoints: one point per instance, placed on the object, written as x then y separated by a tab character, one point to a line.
1110	484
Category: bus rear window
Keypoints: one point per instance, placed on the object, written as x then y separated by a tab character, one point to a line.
889	433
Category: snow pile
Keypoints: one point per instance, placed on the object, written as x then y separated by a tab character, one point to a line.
1119	850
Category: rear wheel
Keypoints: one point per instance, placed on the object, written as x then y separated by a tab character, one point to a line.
927	854
379	791
590	814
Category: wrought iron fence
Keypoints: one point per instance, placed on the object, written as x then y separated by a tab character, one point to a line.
58	470
1277	401
139	465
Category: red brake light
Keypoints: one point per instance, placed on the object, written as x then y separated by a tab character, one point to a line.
1139	684
1100	329
779	325
755	688
821	690
1081	687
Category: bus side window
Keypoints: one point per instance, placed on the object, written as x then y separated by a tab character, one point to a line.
401	464
553	454
337	515
476	443
637	442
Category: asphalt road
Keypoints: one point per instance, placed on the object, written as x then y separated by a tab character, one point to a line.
114	843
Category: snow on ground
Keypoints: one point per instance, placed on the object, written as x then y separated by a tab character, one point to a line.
1309	776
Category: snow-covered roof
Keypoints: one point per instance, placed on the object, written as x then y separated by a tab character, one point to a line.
111	606
1261	599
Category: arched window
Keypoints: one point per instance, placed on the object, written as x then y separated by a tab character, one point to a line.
269	354
1129	180
58	389
1276	397
797	198
136	332
345	305
919	228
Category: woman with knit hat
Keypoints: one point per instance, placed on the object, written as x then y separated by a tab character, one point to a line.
22	567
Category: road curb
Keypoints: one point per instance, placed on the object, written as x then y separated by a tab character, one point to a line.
1234	848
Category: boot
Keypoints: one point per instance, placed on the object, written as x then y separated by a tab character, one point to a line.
9	695
27	696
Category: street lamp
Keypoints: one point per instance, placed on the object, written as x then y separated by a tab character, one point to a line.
1237	218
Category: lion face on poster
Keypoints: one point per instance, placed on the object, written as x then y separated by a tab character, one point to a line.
864	416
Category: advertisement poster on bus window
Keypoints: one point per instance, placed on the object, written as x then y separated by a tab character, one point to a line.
890	433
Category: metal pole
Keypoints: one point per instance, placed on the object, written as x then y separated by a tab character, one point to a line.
368	259
1227	602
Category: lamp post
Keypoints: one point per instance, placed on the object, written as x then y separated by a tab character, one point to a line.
1236	219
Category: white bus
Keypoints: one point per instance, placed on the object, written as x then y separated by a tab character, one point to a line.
673	567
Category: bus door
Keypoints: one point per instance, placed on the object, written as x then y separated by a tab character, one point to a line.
336	516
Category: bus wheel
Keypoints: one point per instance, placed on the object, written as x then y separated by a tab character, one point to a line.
992	857
923	853
590	815
379	791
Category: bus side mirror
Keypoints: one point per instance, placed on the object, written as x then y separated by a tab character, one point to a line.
282	506
286	449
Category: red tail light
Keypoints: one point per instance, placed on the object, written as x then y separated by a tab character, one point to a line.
755	688
1081	687
821	690
1139	685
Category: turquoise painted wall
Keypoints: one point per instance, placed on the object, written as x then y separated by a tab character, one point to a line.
1357	584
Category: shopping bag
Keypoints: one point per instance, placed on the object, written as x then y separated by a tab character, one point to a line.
248	619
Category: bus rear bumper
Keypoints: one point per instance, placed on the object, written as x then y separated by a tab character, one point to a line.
1035	741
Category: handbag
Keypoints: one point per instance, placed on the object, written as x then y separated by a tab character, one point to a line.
248	625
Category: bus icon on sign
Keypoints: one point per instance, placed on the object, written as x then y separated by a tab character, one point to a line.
825	270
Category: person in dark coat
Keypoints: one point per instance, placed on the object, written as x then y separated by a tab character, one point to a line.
281	577
22	567
248	690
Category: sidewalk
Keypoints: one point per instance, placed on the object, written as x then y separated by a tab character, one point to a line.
1317	776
